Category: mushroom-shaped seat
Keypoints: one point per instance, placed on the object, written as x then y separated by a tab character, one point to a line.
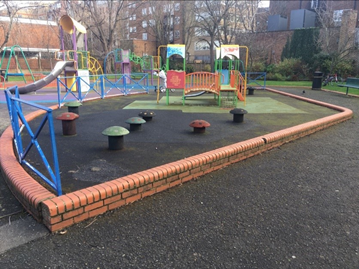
115	136
68	123
135	123
147	115
199	126
73	106
250	90
238	114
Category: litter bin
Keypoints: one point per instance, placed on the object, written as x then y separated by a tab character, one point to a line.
317	80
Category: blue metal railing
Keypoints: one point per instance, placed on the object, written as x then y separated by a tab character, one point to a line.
79	89
14	104
258	78
100	85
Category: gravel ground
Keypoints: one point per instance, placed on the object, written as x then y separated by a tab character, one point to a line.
292	207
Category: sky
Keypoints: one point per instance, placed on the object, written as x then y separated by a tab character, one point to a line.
264	3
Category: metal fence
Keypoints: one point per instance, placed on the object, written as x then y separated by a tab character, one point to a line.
257	78
19	123
81	88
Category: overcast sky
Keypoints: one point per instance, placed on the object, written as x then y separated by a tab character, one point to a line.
264	3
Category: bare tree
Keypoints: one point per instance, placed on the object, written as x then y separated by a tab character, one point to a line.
209	16
188	24
161	22
241	18
337	35
102	20
9	9
170	22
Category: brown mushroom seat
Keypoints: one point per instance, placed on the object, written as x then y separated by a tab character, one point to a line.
147	115
135	123
73	106
238	114
68	123
115	136
199	126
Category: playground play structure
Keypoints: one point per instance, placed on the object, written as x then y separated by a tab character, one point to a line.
121	61
226	79
74	63
84	64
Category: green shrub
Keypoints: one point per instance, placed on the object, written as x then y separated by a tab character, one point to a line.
275	76
189	69
207	68
290	69
345	68
257	67
270	68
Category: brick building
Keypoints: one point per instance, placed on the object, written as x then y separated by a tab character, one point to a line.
144	18
148	20
333	8
38	39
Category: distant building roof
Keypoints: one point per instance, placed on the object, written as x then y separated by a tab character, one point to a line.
29	21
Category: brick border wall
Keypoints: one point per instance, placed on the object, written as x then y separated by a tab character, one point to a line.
60	212
26	189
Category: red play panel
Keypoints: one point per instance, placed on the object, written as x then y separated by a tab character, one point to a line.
176	79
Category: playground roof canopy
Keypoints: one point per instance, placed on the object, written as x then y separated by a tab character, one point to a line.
68	24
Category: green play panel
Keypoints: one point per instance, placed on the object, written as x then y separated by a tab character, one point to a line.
207	104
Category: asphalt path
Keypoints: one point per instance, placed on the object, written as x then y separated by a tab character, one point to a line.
292	207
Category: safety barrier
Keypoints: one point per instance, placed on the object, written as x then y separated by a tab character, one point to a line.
14	104
101	86
257	78
237	81
201	81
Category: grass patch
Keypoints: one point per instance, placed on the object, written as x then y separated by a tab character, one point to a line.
334	87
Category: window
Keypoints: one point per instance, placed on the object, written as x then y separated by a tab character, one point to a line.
151	22
202	16
357	37
144	36
171	36
198	4
133	29
201	45
204	45
314	4
337	17
132	5
177	34
144	24
177	6
168	8
177	20
201	32
133	17
144	11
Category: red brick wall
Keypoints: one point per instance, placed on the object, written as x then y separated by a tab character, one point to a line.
60	212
